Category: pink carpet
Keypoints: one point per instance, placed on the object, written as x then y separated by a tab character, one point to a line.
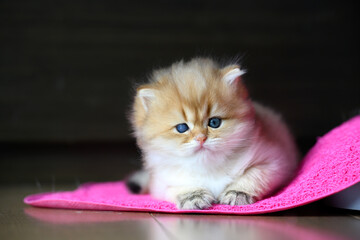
332	165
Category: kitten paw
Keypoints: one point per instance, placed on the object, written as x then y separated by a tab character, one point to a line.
199	199
233	197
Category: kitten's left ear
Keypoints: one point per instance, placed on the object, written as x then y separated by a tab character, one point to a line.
231	74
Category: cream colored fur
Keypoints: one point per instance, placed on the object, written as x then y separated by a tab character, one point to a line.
248	157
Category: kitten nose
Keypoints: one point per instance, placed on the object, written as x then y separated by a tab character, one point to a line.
201	138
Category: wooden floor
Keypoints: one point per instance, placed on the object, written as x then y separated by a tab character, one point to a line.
314	221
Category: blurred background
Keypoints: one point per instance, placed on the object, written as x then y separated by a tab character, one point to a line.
68	68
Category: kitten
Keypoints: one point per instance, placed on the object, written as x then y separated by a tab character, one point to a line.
204	141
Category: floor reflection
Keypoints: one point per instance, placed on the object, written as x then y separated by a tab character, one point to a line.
239	227
62	216
176	226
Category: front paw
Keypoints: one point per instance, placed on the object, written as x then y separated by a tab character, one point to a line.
233	197
198	199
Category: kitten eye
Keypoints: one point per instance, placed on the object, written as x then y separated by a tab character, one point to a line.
182	127
214	122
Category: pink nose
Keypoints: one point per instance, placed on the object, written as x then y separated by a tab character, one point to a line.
201	139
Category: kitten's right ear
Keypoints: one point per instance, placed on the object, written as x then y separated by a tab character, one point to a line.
146	95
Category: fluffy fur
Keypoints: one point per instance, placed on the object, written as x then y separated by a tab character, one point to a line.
244	160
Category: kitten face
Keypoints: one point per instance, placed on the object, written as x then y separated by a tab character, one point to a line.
193	109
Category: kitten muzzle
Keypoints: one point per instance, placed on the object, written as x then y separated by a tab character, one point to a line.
201	139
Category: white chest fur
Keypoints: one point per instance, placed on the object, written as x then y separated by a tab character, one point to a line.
214	182
191	173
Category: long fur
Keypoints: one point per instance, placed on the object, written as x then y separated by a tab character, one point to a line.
248	157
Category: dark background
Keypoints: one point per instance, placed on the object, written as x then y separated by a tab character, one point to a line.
67	71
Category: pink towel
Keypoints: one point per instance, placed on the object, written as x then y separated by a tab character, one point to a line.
332	165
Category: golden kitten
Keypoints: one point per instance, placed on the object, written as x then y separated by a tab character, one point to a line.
204	141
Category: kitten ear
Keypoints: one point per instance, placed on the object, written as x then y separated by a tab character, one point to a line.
232	74
146	95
